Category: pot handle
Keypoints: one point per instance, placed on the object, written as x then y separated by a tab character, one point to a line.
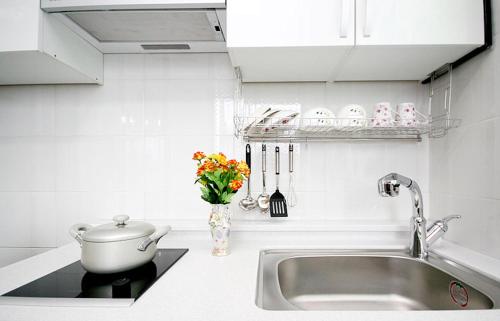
77	230
155	237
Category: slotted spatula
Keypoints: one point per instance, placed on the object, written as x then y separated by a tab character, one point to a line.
277	201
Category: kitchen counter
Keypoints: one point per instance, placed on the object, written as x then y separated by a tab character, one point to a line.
203	287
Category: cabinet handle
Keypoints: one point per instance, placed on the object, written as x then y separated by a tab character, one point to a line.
344	18
367	28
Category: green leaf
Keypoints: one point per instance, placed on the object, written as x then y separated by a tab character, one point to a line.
228	198
210	176
204	191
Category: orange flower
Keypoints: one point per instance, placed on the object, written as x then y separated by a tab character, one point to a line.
209	166
198	156
215	188
235	185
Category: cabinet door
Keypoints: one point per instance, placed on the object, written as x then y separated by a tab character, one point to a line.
36	48
408	39
19	24
290	23
419	22
289	40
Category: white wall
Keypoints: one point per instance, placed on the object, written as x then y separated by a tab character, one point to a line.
465	165
83	153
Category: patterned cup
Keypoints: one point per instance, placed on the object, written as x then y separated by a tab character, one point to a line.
407	111
382	115
407	115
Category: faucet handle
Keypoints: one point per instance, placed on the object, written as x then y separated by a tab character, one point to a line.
449	218
438	228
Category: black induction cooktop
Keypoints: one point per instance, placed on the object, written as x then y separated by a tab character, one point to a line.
72	281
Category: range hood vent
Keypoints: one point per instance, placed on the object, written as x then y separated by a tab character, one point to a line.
121	28
174	46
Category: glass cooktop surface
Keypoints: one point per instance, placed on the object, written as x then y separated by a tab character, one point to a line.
72	281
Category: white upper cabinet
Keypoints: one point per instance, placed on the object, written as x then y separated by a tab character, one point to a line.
408	39
36	48
419	22
289	40
19	24
317	40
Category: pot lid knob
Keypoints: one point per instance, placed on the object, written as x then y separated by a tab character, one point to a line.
120	220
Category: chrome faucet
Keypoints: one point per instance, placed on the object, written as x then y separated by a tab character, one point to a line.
389	186
419	241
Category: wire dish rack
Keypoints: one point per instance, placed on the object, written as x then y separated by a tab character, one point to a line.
277	129
291	126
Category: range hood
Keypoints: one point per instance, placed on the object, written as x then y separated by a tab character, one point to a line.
147	26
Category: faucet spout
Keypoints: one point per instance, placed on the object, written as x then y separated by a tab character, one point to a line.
388	186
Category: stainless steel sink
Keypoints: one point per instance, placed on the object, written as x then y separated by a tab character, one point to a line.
369	280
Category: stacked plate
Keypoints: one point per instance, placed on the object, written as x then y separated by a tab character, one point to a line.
270	120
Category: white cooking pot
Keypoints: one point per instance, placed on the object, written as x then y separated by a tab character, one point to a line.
118	246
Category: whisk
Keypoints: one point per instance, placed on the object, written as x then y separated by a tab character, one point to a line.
291	197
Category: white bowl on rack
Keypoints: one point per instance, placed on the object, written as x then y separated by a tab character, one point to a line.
352	116
318	120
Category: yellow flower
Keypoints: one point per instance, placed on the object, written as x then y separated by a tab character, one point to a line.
219	158
222	159
243	169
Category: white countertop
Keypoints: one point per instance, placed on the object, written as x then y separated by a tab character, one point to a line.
202	287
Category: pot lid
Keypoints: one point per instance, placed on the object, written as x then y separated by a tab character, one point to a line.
120	230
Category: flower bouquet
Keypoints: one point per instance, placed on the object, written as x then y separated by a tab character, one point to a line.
220	180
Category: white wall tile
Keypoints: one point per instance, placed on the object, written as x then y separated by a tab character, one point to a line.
156	116
26	110
193	67
126	147
124	67
12	255
27	163
188	107
86	163
156	157
156	66
470	227
464	165
28	219
87	110
117	108
222	68
495	8
157	205
496	158
490	217
99	163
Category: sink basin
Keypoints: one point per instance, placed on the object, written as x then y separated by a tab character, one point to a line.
369	280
